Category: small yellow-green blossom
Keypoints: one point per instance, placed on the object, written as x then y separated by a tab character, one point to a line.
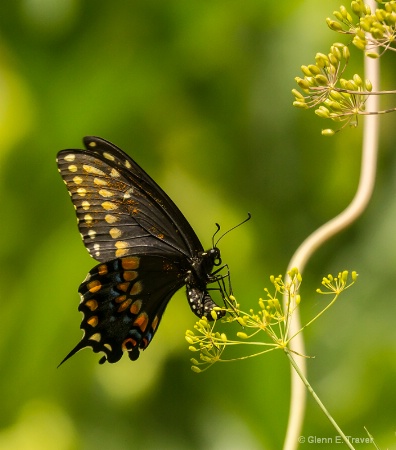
335	285
272	318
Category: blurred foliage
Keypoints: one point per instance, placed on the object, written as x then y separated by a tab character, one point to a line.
198	93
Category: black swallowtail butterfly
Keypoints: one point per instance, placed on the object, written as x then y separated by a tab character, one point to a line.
146	248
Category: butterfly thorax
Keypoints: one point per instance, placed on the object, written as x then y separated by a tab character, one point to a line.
197	278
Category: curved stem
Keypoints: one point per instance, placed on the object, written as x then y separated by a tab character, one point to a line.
324	233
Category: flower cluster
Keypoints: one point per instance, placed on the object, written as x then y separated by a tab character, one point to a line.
324	89
273	318
333	97
369	30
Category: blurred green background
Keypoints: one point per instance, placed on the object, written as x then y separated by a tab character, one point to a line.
198	92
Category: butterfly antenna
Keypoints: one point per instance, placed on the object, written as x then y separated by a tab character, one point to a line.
214	234
233	228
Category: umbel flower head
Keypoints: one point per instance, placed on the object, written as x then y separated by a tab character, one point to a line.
369	30
332	96
267	328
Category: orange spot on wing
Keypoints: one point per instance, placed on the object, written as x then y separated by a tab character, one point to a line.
123	286
93	321
91	304
124	305
130	275
129	344
136	288
141	322
94	286
130	263
103	269
136	306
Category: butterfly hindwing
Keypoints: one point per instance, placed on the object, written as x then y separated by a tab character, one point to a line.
122	302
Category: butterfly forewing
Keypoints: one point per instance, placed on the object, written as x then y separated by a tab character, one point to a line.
116	217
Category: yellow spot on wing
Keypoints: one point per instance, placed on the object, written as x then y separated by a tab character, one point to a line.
88	219
100	182
93	170
122	248
105	193
108	206
72	168
114	173
70	157
155	323
108	156
109	218
85	205
81	192
96	337
115	233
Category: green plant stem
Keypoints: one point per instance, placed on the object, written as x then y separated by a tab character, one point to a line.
317	399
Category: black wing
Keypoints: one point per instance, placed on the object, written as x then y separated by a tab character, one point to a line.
120	209
123	301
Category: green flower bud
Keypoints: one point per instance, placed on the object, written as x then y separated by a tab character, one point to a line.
346	53
368	85
333	59
242	335
380	14
345	13
358	81
321	80
365	24
322	112
297	94
321	60
336	52
359	43
196	369
372	55
306	71
333	25
328	132
356	8
302	83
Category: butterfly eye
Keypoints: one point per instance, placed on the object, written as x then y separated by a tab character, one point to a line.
217	262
